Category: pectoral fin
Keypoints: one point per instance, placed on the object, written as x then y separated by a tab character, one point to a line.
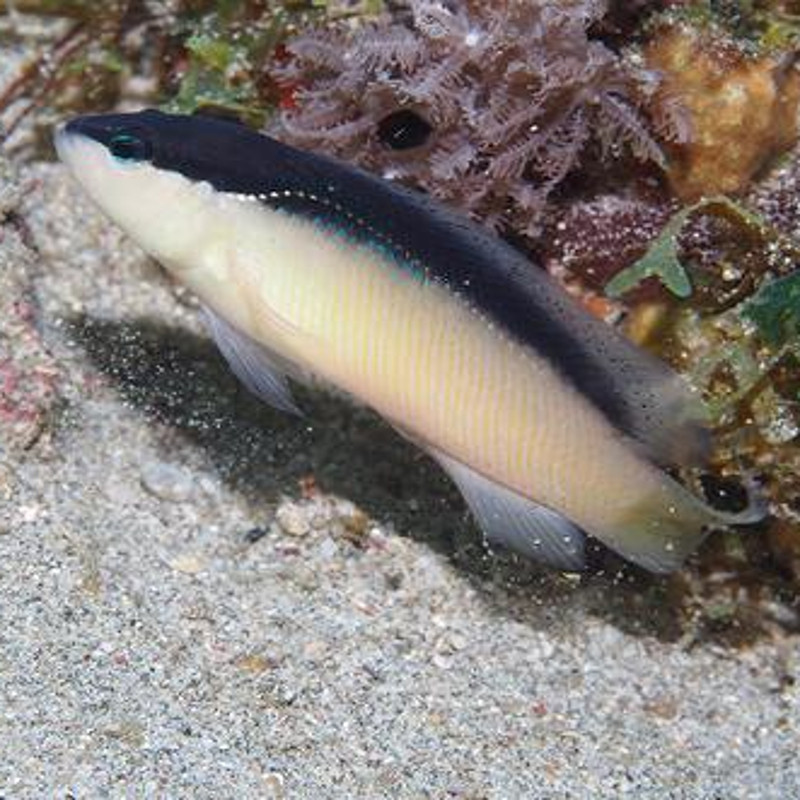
258	369
515	521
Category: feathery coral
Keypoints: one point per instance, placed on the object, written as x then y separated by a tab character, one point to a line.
513	95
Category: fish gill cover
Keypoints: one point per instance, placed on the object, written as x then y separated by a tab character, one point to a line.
645	153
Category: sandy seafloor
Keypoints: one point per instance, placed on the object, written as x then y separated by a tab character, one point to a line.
181	615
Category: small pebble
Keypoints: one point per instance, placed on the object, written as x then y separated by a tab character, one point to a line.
328	549
188	564
442	661
783	614
274	783
293	519
167	482
255	534
394	579
256	663
27	514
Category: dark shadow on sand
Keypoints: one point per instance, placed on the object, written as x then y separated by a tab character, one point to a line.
180	380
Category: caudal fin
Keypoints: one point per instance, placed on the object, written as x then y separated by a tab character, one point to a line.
661	532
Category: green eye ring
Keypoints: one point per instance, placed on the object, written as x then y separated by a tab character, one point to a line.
129	148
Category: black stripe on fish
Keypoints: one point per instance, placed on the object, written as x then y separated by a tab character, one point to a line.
627	386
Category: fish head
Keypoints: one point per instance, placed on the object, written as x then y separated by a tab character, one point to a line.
158	176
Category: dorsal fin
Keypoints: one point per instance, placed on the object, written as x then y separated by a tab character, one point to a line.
665	418
641	395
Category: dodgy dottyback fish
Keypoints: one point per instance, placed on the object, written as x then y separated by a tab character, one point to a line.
551	424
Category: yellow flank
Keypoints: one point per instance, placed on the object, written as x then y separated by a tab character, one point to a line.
425	360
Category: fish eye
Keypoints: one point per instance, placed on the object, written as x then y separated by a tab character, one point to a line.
129	148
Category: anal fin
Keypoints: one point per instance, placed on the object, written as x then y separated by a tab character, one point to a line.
255	366
515	521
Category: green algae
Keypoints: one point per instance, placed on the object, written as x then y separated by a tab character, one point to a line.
775	309
662	259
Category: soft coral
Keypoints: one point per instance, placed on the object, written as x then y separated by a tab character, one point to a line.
514	93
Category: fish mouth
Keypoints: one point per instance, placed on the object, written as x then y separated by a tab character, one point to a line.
81	155
68	133
78	143
95	127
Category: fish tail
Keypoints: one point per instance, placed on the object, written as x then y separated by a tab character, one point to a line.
660	532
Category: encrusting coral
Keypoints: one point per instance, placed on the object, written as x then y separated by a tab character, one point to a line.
489	106
743	109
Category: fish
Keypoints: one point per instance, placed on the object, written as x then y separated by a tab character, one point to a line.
554	426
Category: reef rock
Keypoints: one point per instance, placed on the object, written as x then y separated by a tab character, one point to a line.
742	109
